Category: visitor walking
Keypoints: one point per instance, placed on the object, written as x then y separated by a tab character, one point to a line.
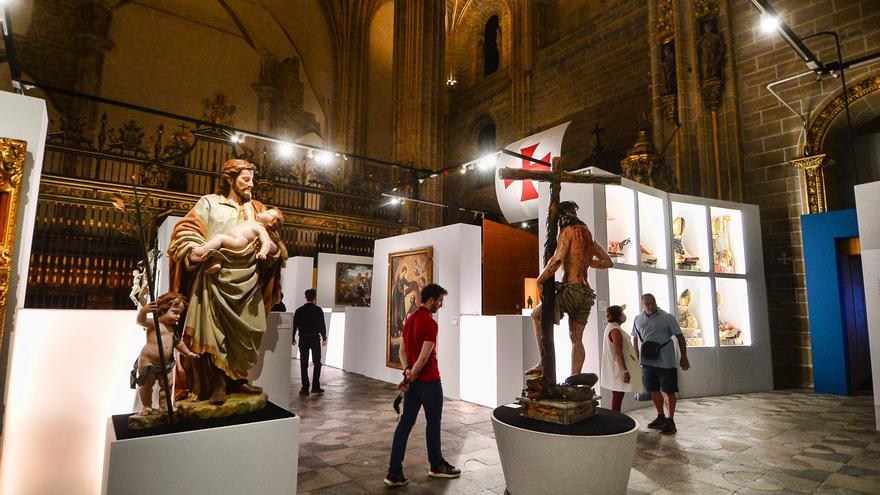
308	320
421	387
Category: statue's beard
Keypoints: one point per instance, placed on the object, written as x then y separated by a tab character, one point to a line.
244	194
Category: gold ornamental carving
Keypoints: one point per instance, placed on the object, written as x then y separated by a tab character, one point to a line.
12	157
813	182
665	31
706	8
818	128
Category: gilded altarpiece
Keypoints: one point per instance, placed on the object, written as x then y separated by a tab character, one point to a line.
12	157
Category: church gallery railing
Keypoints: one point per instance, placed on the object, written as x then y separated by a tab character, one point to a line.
80	258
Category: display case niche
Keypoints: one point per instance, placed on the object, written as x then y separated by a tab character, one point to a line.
652	231
728	250
658	285
620	214
623	289
693	297
732	305
690	237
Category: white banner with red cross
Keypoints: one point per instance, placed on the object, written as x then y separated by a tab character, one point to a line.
519	198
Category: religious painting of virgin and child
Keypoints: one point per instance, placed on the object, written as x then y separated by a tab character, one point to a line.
353	284
408	273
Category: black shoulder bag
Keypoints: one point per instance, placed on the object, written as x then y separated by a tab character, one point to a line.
650	349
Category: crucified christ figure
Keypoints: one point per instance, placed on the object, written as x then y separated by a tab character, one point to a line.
576	252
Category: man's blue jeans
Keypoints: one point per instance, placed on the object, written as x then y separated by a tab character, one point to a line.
430	395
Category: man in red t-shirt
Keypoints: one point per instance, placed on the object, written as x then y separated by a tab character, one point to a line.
421	387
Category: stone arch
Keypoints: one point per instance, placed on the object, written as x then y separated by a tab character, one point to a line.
465	40
827	138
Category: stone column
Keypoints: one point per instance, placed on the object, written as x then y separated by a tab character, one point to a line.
91	43
419	89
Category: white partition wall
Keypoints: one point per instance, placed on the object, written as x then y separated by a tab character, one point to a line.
729	294
327	276
869	238
457	260
163	238
296	277
23	118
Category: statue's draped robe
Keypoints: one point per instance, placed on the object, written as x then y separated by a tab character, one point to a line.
226	316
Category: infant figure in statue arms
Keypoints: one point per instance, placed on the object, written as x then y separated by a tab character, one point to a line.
727	332
690	327
684	260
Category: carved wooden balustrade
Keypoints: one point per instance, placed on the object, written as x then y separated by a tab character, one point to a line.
81	258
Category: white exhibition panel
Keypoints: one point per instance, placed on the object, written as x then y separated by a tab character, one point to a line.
23	118
334	353
327	276
272	371
264	459
715	369
69	373
491	359
457	267
297	276
535	462
869	238
163	239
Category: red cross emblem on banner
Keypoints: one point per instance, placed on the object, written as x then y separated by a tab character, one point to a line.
528	188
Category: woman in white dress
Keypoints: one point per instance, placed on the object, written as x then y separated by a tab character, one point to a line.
620	371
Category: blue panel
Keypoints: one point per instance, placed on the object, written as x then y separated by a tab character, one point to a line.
827	333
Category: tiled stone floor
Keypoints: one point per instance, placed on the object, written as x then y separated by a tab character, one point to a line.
779	443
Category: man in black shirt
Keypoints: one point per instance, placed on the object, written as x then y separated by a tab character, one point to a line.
309	322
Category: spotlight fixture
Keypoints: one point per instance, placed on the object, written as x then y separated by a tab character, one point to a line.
464	169
235	138
769	23
525	225
487	162
285	150
324	157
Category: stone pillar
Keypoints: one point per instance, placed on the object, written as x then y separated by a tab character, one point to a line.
91	43
419	89
694	94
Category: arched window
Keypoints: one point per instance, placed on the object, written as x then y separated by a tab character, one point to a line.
491	50
486	145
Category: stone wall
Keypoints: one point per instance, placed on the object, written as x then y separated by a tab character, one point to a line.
770	140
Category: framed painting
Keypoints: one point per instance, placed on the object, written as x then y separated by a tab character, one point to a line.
12	157
408	273
353	284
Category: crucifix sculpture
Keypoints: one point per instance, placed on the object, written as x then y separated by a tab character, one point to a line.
556	176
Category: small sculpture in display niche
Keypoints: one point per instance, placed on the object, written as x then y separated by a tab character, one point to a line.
648	256
723	257
615	248
690	327
684	260
727	332
148	369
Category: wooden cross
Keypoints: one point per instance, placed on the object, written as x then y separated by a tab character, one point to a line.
597	130
556	176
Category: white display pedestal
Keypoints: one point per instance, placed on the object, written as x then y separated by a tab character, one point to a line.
272	371
261	457
869	238
538	462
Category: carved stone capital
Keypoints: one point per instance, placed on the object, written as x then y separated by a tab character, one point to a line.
669	107
813	182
